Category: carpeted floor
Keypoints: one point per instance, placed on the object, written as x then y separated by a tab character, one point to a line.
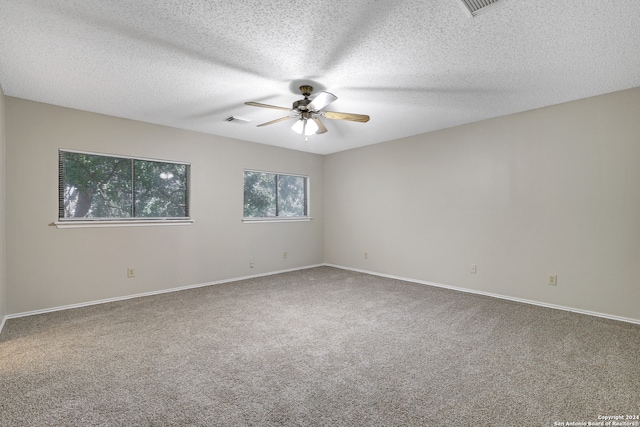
321	346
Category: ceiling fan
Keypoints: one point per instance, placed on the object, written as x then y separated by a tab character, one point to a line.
308	112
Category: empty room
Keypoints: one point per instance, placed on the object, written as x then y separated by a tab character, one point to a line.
275	213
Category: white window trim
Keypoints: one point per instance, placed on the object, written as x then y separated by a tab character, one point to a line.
125	156
258	220
249	220
121	223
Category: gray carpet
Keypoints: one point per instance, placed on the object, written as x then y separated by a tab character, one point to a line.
316	347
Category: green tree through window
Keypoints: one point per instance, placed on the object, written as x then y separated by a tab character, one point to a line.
274	195
94	186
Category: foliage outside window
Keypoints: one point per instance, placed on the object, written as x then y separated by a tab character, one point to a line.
271	195
100	187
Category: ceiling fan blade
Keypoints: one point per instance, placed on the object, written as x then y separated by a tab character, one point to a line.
321	127
322	100
258	104
362	118
281	119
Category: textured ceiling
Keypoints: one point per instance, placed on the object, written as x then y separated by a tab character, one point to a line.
413	66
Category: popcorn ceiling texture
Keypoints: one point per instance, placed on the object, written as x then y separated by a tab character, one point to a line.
413	66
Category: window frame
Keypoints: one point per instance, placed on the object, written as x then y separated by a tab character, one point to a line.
266	219
80	222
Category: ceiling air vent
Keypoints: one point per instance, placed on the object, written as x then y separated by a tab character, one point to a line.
475	7
238	120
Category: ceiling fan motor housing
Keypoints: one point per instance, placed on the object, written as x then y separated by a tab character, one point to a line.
301	105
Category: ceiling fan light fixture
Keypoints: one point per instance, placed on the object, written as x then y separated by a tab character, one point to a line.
298	126
311	128
305	127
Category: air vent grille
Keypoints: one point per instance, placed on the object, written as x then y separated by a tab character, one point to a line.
475	7
236	119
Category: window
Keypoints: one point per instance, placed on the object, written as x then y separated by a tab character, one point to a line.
104	187
275	196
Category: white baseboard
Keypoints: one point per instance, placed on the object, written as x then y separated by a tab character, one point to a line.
406	279
146	294
488	294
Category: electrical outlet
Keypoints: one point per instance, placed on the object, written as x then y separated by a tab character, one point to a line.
131	272
553	280
474	269
366	255
284	255
251	263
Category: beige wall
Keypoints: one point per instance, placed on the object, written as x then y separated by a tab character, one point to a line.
550	191
3	282
50	267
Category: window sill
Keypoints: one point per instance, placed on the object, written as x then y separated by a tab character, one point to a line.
276	219
116	223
